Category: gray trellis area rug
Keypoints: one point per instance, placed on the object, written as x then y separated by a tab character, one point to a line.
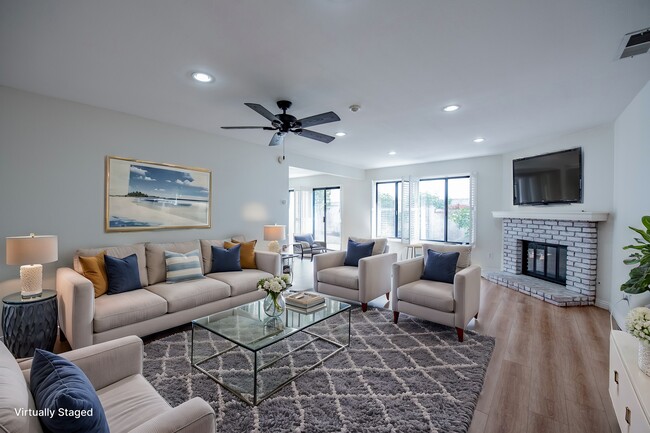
411	377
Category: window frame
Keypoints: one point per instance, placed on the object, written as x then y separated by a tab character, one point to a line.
446	203
396	212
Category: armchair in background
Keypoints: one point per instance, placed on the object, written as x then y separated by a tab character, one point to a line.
448	303
369	279
305	244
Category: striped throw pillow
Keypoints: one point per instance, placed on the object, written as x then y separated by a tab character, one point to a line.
183	267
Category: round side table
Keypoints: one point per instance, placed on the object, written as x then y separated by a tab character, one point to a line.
29	324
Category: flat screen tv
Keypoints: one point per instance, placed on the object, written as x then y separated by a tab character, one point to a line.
550	178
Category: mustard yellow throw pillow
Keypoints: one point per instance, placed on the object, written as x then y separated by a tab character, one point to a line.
94	268
246	253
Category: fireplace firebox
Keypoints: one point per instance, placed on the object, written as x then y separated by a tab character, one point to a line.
545	261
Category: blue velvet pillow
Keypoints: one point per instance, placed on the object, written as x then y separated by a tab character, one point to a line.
123	274
305	238
226	259
63	390
357	251
440	266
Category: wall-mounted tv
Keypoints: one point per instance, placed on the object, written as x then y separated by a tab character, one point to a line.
550	178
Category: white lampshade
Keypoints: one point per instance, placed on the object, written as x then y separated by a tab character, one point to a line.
28	250
274	233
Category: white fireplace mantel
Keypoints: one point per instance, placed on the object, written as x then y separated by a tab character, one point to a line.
559	216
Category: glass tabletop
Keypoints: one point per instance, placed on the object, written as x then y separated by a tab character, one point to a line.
248	326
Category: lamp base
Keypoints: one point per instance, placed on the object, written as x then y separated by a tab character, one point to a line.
274	246
31	280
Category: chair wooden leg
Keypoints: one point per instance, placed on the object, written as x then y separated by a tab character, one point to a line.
388	296
459	331
476	316
395	316
364	307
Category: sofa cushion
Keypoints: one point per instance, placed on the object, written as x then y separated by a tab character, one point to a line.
357	251
246	253
94	268
440	266
465	251
380	247
226	259
189	294
240	282
126	308
183	267
14	393
60	386
131	402
156	269
120	252
206	252
431	294
123	275
342	276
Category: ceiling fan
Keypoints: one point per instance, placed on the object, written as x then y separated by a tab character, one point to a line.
284	123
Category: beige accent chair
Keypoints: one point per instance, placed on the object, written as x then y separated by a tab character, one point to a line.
364	283
448	304
115	370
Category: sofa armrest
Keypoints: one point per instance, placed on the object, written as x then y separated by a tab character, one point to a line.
467	294
375	275
193	416
76	298
104	363
268	262
405	272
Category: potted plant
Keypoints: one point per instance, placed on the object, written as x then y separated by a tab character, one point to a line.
639	281
274	303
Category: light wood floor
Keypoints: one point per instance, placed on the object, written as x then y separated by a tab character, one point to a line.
549	369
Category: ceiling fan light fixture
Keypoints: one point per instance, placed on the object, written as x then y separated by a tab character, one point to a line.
451	108
479	140
340	134
202	77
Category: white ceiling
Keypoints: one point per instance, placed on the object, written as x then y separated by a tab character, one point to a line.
522	70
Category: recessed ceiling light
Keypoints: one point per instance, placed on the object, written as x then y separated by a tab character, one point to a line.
392	152
202	77
450	108
340	134
479	140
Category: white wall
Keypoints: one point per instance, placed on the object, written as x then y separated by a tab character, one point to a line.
355	201
52	176
630	185
487	250
597	152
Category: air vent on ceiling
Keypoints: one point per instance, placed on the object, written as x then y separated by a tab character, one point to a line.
635	43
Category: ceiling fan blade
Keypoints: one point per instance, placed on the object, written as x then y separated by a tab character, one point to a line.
268	128
319	119
263	111
277	139
315	135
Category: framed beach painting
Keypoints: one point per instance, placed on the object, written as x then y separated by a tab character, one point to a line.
144	195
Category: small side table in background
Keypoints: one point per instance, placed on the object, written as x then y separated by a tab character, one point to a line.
29	324
287	263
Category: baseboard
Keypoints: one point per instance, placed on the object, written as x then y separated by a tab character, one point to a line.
602	304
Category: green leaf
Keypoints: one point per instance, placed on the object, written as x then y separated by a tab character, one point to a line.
646	221
634	247
643	233
631	261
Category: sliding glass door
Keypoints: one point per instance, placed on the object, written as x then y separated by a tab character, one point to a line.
327	216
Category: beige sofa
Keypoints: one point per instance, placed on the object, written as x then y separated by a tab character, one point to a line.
86	320
114	369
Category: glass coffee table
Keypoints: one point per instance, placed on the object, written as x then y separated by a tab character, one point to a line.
254	356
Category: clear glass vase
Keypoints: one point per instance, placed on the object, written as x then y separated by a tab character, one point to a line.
274	304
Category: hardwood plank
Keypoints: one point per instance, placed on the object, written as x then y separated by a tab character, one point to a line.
542	424
478	422
509	409
584	419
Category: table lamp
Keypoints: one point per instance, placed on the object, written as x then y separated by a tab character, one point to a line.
30	252
274	233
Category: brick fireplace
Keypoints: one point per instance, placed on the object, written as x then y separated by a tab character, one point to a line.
578	263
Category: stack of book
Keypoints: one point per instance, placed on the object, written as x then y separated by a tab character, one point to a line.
305	302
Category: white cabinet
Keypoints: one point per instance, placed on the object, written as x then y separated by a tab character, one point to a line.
629	387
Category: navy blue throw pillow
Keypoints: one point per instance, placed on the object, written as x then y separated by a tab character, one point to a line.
440	266
123	274
226	259
65	396
357	251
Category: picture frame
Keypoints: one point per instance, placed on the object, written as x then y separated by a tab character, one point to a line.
145	195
